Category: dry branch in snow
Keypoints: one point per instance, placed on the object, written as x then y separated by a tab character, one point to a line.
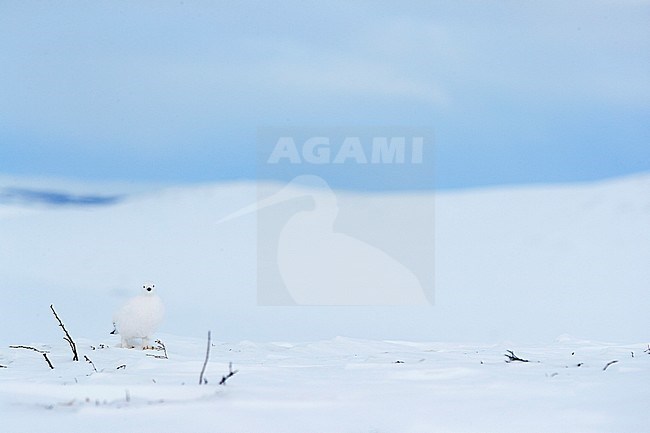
88	360
42	352
160	346
608	364
205	362
230	374
512	357
67	337
28	348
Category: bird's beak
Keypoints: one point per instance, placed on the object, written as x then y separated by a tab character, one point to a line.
287	193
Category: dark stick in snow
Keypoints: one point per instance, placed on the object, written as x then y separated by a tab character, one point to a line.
161	346
512	357
42	352
67	337
49	364
28	347
608	364
205	362
91	363
229	375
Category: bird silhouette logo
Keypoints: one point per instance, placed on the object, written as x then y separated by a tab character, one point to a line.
321	266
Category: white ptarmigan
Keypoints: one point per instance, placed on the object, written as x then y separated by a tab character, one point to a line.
139	317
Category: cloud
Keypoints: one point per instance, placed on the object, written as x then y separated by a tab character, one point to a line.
172	79
330	75
54	198
561	52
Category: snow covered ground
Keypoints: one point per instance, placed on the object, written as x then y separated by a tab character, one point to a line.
550	272
337	385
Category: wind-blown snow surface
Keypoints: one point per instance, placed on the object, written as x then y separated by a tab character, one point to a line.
514	269
338	385
525	264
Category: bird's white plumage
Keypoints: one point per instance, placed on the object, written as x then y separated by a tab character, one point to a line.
139	317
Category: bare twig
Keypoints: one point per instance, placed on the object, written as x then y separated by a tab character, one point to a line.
205	362
229	375
88	360
608	364
512	357
119	367
161	346
49	364
42	352
29	348
3	366
67	337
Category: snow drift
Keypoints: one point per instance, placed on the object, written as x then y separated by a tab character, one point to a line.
523	264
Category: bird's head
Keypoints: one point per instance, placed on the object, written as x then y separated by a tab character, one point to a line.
148	288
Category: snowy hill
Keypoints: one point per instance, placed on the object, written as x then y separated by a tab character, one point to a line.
515	269
523	264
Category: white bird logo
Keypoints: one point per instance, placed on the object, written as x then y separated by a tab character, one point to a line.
320	266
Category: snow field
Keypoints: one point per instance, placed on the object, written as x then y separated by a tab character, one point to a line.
342	385
514	268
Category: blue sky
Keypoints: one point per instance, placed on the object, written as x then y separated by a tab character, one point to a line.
515	92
